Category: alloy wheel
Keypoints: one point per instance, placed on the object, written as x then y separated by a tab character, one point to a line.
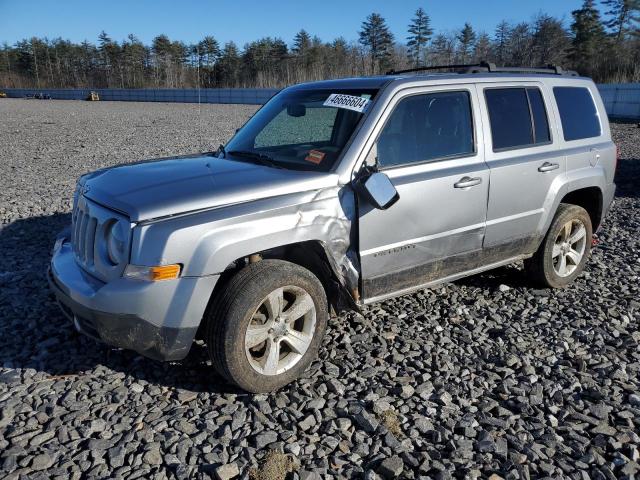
569	247
280	330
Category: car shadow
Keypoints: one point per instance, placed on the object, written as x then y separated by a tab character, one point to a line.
34	334
628	178
509	275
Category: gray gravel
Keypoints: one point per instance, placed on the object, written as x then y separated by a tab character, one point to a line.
486	376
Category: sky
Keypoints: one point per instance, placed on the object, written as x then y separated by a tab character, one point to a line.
246	20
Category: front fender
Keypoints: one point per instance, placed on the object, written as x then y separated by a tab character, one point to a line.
205	243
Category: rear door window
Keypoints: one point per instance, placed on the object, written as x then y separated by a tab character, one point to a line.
518	117
539	115
578	113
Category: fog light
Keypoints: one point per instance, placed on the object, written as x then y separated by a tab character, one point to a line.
152	274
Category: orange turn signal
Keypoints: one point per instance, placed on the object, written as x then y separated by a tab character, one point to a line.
152	274
164	272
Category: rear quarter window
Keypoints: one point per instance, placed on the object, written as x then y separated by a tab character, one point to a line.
578	113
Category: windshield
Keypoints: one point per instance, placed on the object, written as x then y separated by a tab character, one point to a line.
301	129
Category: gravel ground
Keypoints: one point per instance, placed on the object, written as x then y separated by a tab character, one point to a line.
484	376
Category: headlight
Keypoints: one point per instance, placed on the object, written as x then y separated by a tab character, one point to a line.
116	242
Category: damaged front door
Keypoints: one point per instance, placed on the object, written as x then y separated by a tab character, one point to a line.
428	148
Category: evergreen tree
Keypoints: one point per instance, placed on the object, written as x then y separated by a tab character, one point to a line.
550	42
588	36
625	18
209	51
228	67
501	40
134	55
482	49
378	39
337	56
301	42
263	58
107	49
607	51
466	39
442	51
25	58
519	45
420	32
207	54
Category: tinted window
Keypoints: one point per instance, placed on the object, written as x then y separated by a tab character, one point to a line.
510	117
427	127
539	114
518	117
577	112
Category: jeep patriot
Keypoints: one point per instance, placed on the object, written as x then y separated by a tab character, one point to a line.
334	195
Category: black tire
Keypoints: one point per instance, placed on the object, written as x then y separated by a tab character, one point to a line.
231	312
540	267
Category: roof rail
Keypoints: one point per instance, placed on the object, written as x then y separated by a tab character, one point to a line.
484	67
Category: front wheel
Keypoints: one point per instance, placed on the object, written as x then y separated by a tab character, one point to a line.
266	325
564	250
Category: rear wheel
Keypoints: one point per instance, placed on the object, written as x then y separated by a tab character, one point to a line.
266	325
564	250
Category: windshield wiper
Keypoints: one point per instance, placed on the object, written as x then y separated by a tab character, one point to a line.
258	157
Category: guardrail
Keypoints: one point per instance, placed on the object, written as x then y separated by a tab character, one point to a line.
251	96
621	100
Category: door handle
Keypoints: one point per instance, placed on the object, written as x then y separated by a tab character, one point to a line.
466	182
547	167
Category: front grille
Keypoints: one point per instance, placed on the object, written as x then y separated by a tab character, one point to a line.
84	234
90	223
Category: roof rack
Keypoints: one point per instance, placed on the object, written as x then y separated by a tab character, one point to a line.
484	67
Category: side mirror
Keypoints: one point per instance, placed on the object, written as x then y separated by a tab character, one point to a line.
378	190
296	110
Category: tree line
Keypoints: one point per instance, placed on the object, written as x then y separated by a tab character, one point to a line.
603	43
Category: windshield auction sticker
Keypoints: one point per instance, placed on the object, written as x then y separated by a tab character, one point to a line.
357	104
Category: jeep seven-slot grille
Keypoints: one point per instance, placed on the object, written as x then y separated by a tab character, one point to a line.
84	234
90	225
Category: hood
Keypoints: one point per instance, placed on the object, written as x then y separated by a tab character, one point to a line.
170	186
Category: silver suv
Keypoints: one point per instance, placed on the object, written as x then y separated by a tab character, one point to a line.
334	195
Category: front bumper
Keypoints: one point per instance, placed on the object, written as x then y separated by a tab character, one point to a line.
156	319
